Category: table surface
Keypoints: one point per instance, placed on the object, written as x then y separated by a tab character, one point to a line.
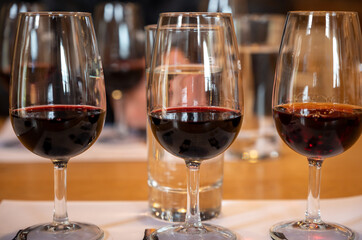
285	177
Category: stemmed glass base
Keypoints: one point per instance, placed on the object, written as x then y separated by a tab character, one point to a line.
302	230
71	231
181	232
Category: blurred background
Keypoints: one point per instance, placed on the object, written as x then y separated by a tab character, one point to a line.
150	10
114	171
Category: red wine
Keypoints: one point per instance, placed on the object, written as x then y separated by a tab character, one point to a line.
57	132
196	133
318	130
123	75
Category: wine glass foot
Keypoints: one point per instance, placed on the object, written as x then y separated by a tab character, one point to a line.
180	232
71	231
301	230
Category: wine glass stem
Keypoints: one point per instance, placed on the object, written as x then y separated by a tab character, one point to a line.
193	218
119	110
60	215
312	214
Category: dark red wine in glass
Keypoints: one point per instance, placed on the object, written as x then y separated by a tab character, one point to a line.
195	132
57	131
319	130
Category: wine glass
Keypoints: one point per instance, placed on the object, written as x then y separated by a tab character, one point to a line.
194	108
317	104
57	103
120	37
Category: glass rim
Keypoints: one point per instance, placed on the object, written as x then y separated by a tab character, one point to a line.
195	14
150	27
321	13
56	13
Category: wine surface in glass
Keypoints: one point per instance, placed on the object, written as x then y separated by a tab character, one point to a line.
58	131
318	130
195	132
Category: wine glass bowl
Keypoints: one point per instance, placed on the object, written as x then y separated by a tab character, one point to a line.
57	103
317	104
194	109
120	38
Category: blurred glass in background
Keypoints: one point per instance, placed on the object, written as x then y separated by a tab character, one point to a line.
8	18
259	37
119	31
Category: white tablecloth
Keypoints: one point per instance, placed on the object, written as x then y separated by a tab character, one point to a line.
250	220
